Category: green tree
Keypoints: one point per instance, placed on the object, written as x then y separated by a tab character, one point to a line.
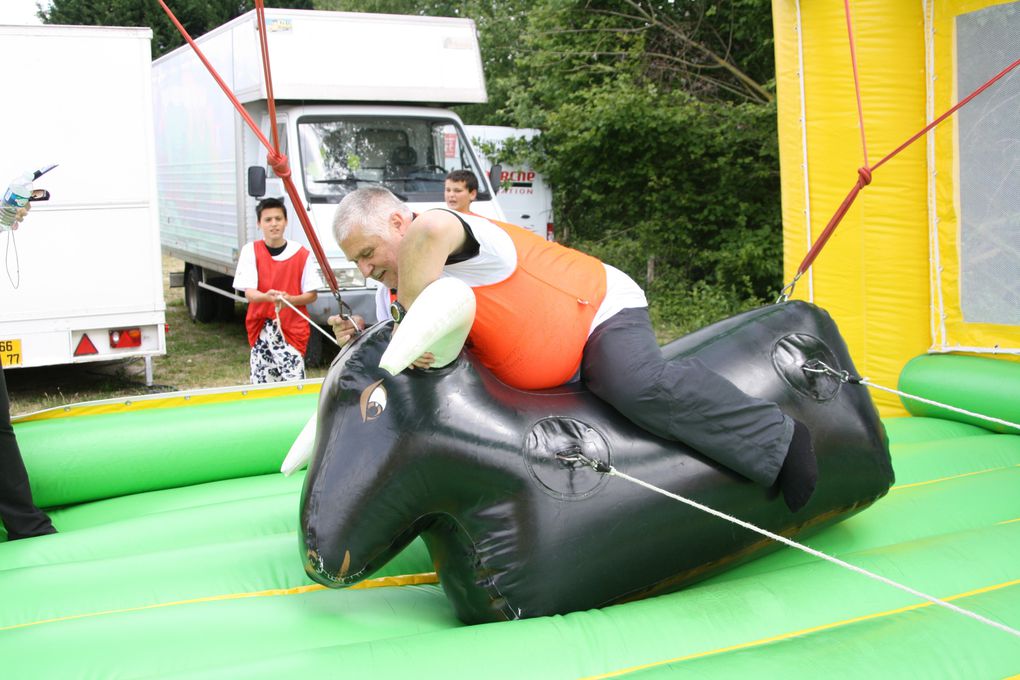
659	133
692	184
197	16
713	50
659	139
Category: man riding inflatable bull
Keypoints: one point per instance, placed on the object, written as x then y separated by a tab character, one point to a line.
546	314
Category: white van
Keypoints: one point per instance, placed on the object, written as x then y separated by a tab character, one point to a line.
83	279
523	194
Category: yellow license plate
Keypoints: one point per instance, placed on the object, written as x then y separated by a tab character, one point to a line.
10	352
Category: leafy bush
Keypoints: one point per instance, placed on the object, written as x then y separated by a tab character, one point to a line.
639	174
678	310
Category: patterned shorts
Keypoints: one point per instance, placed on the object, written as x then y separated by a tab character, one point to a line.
272	359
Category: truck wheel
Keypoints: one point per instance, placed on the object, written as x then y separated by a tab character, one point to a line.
202	306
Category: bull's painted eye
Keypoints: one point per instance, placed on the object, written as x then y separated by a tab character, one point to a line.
373	401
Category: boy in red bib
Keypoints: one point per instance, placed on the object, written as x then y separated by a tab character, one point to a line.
270	271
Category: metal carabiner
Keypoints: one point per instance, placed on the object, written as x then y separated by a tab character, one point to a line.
574	455
347	313
787	290
818	366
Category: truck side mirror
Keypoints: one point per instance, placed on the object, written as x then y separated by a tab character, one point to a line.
256	181
495	172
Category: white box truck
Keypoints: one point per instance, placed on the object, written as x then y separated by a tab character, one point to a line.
358	103
524	196
82	277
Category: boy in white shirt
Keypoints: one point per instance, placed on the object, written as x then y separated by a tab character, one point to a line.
271	271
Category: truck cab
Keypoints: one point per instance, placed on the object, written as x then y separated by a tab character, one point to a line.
334	150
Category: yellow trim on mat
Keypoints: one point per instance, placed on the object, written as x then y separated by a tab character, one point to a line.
805	631
143	402
381	582
426	578
946	479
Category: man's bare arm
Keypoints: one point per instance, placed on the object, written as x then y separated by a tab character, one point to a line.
430	239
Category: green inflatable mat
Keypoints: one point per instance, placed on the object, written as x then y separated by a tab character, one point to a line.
197	575
76	459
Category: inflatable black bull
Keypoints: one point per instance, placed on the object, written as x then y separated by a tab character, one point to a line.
516	525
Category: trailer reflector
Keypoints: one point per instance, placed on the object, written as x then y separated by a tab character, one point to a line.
85	347
126	337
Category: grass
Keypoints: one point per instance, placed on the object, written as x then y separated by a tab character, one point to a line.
197	355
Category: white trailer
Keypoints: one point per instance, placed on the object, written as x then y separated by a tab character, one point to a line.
524	196
358	103
82	277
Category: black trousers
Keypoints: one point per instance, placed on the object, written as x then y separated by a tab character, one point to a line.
17	510
684	400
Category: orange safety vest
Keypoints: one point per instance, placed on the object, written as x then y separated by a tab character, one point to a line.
285	276
530	329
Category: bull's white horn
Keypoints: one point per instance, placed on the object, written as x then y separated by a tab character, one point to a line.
301	450
437	322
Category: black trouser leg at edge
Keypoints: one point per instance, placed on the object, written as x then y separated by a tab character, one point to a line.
684	400
18	512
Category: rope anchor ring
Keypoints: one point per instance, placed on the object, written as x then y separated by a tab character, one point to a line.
820	367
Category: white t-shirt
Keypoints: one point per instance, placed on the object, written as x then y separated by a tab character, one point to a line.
247	274
497	259
382	301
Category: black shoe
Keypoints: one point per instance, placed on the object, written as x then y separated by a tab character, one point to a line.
41	527
799	474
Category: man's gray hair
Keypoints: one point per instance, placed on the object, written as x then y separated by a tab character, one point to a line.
367	209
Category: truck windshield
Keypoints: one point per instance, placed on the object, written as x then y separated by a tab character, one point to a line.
409	156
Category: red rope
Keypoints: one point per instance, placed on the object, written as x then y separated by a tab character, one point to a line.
863	180
216	77
260	14
857	84
276	160
864	173
948	113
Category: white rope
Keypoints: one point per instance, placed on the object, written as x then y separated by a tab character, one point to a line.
811	551
220	291
310	322
816	366
991	419
955	349
936	306
238	298
801	76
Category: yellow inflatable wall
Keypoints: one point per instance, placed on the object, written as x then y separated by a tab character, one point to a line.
891	274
